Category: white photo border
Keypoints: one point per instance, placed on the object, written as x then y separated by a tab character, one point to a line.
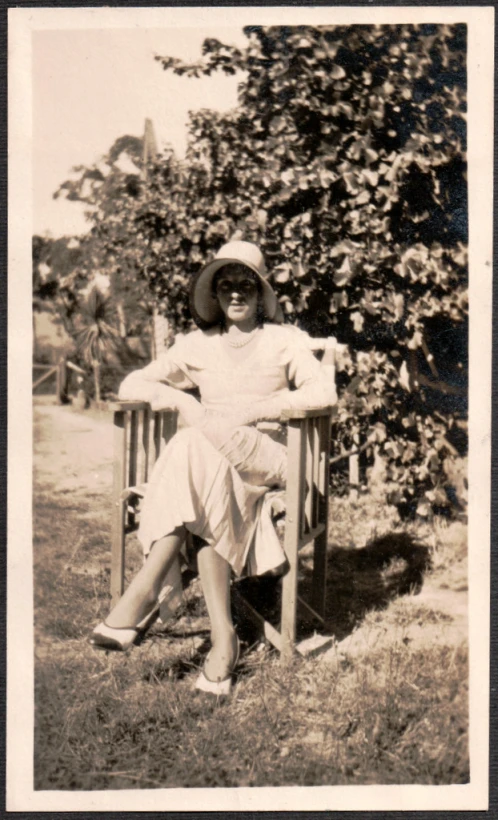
20	712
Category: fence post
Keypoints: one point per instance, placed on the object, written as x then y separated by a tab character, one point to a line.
61	375
58	385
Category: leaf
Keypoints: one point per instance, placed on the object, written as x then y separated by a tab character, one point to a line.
409	421
371	156
262	217
337	72
416	341
363	198
351	182
298	270
380	432
326	178
343	108
343	275
345	246
399	306
423	509
358	321
372	177
288	176
281	273
404	377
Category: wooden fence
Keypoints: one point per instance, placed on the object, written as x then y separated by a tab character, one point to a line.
59	374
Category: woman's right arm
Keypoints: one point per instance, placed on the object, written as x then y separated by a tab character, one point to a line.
154	382
146	384
149	384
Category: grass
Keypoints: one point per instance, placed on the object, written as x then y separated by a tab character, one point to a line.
386	705
395	716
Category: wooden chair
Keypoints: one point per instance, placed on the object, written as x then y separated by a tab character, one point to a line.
140	435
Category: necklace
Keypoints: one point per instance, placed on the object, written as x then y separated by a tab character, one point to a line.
246	338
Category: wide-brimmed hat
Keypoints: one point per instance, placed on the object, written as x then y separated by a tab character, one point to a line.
203	303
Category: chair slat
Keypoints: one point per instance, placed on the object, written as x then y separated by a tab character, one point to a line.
317	453
170	419
157	435
308	487
324	438
132	459
320	545
144	465
133	449
304	506
307	537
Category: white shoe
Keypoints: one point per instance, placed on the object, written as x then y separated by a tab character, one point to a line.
214	687
218	687
119	638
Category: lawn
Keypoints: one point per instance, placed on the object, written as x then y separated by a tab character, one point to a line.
386	704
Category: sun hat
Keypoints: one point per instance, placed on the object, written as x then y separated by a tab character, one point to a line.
204	305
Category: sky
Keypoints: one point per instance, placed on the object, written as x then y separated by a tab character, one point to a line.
95	85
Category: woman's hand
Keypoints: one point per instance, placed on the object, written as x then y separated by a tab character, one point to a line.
264	410
169	398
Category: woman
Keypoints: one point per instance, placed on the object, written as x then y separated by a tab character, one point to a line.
212	477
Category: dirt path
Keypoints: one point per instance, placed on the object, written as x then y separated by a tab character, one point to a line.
72	451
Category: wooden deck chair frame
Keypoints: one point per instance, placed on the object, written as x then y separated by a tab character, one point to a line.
140	435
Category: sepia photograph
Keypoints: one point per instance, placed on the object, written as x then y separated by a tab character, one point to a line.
249	408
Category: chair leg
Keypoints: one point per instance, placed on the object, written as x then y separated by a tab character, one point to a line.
118	513
289	605
117	551
296	449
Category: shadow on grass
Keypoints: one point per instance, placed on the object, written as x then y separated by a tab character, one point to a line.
358	581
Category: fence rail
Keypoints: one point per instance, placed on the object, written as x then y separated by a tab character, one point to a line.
43	378
60	371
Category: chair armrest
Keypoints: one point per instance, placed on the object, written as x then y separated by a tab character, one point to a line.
123	406
308	413
130	405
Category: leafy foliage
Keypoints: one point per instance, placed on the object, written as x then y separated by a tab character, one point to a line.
55	281
96	335
345	160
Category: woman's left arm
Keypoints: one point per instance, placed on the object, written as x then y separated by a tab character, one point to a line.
314	382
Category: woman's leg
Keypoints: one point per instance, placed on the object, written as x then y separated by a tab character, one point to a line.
215	578
141	595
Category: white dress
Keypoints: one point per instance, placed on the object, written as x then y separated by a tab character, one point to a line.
219	494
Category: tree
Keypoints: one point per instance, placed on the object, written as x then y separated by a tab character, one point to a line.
97	338
346	161
108	188
125	239
55	276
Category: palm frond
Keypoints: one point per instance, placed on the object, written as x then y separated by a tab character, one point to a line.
97	338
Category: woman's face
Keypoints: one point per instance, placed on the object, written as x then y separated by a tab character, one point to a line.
237	293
